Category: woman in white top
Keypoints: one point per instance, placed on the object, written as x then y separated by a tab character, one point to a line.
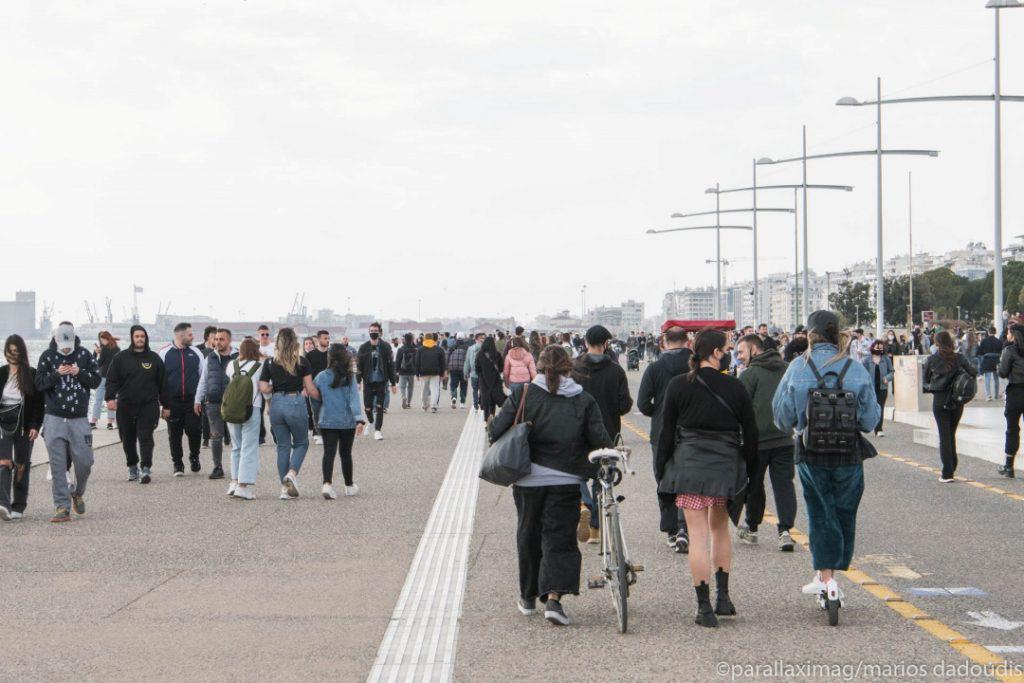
245	437
21	414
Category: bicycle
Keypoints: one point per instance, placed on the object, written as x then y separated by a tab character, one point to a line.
619	573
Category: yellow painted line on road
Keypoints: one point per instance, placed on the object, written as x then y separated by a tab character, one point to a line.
970	482
894	601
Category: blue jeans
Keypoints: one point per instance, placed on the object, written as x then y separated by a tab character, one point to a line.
98	395
290	423
475	381
991	381
245	449
832	496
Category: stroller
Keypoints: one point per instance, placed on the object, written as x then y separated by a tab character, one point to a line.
632	360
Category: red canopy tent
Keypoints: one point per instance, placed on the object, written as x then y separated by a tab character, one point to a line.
697	325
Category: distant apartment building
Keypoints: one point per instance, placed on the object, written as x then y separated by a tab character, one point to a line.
19	316
690	304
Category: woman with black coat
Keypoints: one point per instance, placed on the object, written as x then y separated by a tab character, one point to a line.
565	426
1011	368
21	416
488	364
940	370
712	420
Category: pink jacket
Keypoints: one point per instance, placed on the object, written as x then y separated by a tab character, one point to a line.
519	366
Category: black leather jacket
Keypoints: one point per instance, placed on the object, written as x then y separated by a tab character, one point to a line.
1011	365
938	374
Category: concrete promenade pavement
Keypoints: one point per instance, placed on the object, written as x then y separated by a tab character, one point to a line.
176	581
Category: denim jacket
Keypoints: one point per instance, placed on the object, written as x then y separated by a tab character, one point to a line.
790	402
341	407
884	364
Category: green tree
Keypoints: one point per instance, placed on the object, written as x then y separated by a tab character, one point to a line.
852	303
944	288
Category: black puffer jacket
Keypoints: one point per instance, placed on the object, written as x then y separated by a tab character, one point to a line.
607	383
1011	365
364	362
565	428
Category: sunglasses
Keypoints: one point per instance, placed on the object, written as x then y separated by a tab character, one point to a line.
264	334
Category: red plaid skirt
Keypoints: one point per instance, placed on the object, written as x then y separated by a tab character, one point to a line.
695	501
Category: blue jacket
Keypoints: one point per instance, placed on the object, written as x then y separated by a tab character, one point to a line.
790	402
341	408
182	368
67	395
884	364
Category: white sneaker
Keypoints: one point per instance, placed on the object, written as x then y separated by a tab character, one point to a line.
245	492
880	434
328	492
462	406
16	515
5	514
318	440
814	587
291	485
284	493
378	435
49	474
352	490
367	431
232	487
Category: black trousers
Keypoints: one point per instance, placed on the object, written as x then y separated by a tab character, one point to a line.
206	426
135	425
882	395
17	449
183	420
1013	411
487	404
947	421
549	556
778	462
338	441
263	425
672	518
374	391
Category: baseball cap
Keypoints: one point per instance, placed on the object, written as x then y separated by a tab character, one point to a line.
65	337
823	322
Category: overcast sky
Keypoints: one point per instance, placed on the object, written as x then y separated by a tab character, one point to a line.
487	158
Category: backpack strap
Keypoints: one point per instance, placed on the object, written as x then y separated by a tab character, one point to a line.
817	375
253	370
842	373
720	399
522	405
237	370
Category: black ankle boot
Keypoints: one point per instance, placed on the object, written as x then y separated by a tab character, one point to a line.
723	605
705	612
1007	469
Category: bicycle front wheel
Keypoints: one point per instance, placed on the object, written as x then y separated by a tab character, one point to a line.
619	583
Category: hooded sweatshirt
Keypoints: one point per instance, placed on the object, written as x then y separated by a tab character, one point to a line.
136	377
430	360
761	379
606	381
67	396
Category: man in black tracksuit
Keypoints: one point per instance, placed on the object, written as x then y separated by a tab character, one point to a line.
431	368
182	366
674	361
135	385
606	381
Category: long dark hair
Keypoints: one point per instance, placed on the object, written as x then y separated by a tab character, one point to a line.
340	363
945	348
704	345
489	349
25	384
554	364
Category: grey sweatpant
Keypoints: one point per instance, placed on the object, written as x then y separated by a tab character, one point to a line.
217	430
68	438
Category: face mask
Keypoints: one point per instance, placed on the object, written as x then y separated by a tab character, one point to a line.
374	335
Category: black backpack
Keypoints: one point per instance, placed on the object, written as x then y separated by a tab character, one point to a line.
408	361
962	389
831	415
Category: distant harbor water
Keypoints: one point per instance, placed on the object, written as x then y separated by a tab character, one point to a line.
37	346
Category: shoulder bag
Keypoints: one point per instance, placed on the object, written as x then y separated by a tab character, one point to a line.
508	459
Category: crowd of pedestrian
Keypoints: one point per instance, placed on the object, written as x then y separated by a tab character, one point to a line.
727	409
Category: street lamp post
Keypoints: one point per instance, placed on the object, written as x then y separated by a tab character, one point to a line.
754	210
804	186
997	97
717	227
877	153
